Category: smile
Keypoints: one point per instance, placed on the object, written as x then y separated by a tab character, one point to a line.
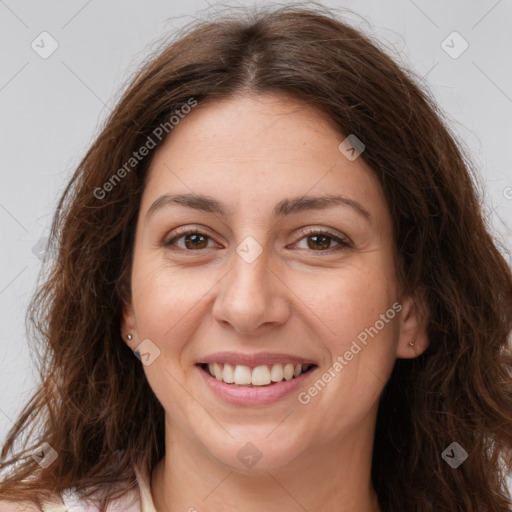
263	375
289	379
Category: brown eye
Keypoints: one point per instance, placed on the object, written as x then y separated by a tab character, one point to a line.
320	241
195	241
317	240
192	240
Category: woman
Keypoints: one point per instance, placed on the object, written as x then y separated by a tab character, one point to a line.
279	226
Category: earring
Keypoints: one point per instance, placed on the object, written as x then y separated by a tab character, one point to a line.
129	336
411	343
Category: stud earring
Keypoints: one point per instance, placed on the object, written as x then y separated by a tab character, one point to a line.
411	343
129	336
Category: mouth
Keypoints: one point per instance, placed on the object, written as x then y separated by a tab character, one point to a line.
262	376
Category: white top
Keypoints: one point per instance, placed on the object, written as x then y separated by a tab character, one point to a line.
134	501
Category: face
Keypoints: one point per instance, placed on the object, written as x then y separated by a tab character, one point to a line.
256	277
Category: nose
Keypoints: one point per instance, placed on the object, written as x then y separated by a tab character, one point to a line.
251	296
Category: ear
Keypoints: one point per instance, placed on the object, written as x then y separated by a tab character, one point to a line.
129	326
413	326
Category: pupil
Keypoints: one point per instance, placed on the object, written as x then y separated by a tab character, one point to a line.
322	237
194	238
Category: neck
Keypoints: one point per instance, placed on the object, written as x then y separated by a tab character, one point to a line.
189	478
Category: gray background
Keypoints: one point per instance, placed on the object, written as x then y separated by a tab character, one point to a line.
51	109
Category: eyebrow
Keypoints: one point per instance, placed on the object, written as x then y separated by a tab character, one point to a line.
284	207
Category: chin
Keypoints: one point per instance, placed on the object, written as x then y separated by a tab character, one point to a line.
253	457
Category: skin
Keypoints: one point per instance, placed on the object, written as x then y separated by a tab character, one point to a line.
250	152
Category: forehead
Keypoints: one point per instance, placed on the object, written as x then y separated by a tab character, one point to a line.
251	150
248	126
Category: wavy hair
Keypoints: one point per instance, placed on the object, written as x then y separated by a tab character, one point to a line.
94	401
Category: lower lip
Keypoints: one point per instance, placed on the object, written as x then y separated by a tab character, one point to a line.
254	395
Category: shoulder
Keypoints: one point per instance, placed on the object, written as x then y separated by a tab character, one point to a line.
129	502
56	505
20	506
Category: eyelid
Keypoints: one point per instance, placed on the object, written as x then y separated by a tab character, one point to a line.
340	237
185	230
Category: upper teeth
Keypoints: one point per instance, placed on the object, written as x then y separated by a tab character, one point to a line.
258	376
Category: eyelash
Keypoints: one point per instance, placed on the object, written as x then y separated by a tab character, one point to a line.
181	232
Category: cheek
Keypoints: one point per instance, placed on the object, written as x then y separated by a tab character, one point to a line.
163	296
359	321
347	301
361	345
164	304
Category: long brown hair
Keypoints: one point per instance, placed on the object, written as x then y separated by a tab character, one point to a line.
94	401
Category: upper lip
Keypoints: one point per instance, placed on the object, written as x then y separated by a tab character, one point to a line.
253	360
